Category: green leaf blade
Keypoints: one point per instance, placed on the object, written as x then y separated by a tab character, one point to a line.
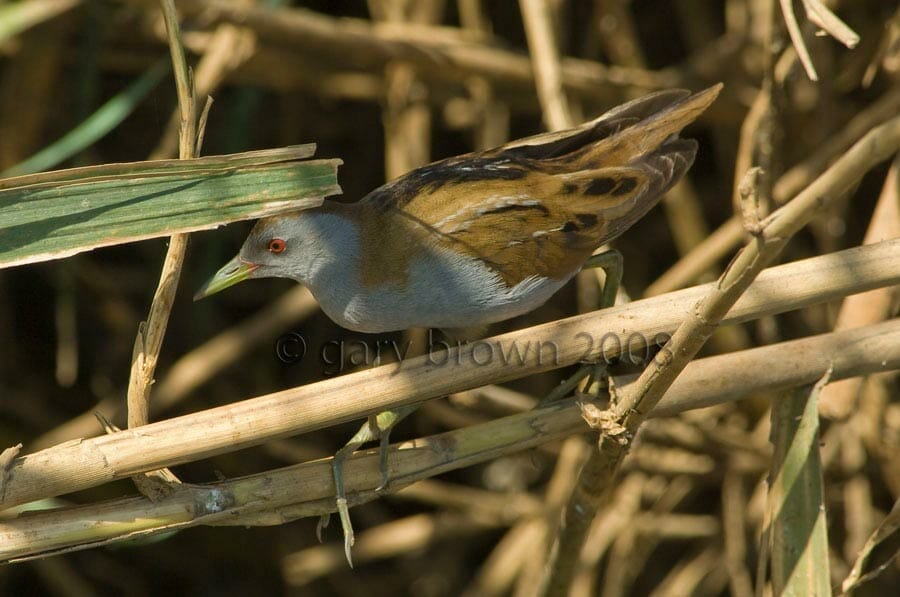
799	535
62	213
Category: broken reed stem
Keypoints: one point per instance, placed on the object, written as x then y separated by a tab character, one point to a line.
307	489
229	47
630	407
183	82
148	342
793	27
823	18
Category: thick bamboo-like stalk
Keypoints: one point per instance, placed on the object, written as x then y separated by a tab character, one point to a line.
86	463
306	489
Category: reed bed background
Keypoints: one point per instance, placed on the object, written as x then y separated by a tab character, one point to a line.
386	86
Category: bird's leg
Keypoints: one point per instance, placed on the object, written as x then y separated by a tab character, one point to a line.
594	372
378	427
610	262
566	387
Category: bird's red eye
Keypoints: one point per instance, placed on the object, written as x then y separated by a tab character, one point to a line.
276	245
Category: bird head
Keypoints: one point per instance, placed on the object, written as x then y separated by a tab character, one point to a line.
272	250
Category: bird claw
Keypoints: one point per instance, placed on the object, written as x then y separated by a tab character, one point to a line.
384	483
347	527
322	525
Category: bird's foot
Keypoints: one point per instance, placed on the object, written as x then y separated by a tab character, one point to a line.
376	427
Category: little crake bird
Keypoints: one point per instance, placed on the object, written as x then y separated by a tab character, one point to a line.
474	239
482	237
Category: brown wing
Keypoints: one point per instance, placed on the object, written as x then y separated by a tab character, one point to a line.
550	229
548	224
541	205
